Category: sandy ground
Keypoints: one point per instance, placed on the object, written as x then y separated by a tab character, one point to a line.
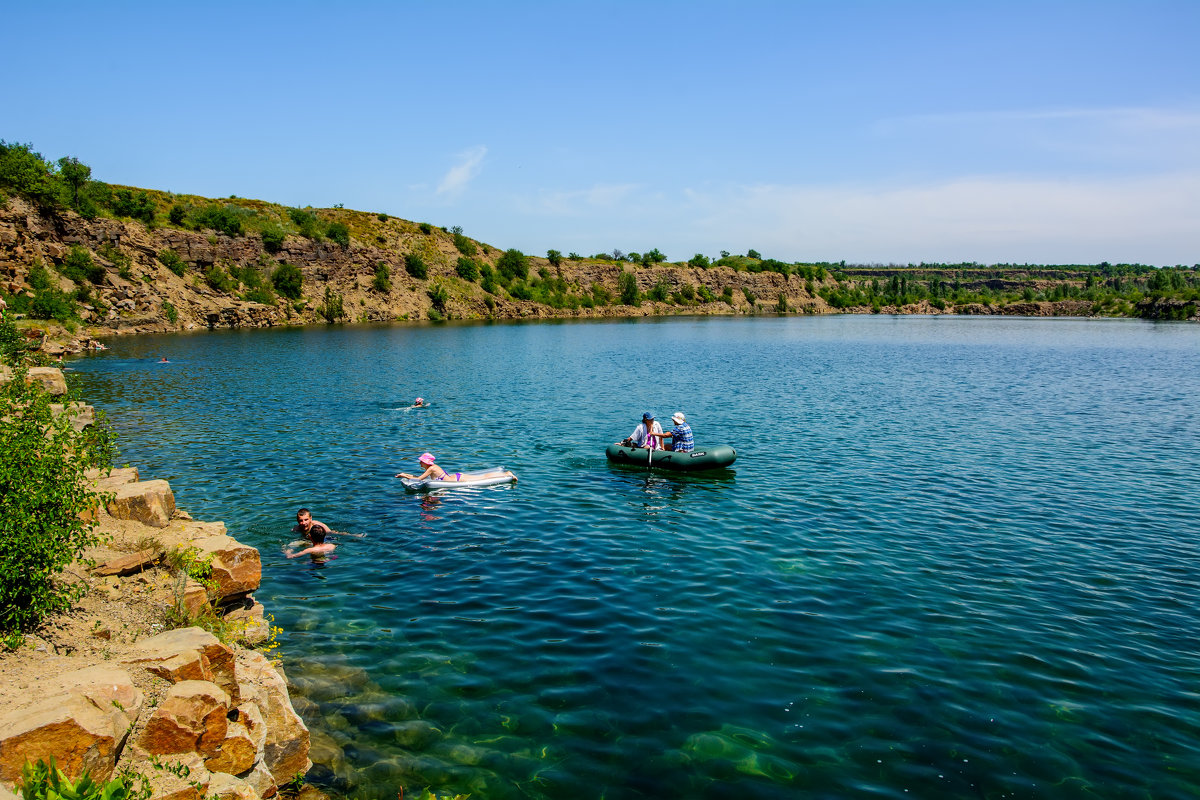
115	613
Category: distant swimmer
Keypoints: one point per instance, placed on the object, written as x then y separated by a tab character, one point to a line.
418	402
163	360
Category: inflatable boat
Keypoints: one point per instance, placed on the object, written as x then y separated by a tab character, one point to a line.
480	477
721	455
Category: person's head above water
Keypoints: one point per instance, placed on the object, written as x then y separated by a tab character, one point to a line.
426	458
419	402
318	536
304	519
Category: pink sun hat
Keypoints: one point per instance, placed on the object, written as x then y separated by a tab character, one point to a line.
426	458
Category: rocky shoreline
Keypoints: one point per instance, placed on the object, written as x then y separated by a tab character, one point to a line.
110	689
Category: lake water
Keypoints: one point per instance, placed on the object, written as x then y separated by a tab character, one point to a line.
956	556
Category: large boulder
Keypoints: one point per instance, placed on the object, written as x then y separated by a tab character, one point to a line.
109	689
261	780
151	502
188	654
191	718
236	568
70	729
236	753
227	787
50	378
285	750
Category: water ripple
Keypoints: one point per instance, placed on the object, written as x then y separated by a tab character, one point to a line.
956	556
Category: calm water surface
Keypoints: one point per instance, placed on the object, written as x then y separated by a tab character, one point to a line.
956	557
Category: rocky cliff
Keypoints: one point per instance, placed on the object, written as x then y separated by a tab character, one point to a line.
111	688
138	293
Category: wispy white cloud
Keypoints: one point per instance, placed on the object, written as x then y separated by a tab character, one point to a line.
1148	219
580	202
468	167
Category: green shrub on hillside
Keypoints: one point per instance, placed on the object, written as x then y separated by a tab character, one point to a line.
43	500
467	269
172	261
414	265
383	278
80	266
699	260
260	294
439	295
76	175
338	232
218	279
627	285
288	280
272	237
464	245
53	304
247	275
24	172
178	214
223	219
39	277
513	264
425	227
170	312
306	222
137	206
333	308
487	279
601	296
659	292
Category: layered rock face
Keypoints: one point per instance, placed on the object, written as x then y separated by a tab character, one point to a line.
197	716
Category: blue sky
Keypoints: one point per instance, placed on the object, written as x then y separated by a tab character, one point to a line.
875	132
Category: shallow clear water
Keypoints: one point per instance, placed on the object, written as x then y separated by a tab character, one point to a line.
955	557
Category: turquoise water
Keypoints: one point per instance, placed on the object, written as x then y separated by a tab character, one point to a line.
956	556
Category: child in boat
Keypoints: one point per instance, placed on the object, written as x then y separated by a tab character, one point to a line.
435	473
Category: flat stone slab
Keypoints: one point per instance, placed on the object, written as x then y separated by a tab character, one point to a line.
140	561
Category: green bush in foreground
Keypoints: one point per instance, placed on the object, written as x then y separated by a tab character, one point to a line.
42	497
47	782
